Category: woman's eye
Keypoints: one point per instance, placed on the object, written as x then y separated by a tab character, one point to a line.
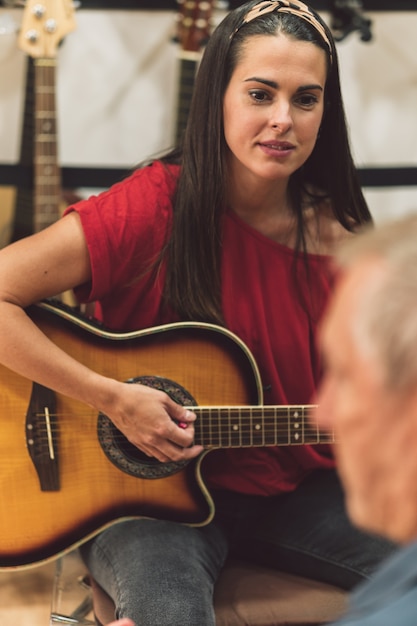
258	95
307	100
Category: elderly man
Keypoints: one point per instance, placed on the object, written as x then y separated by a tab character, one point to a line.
368	397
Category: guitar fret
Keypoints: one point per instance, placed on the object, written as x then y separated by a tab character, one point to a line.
258	431
45	137
245	423
48	180
214	428
236	430
189	55
317	432
45	89
210	423
47	201
48	159
44	114
228	438
212	439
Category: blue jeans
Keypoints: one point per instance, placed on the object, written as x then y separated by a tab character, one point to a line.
162	573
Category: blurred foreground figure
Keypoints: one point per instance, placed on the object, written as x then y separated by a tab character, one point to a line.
368	397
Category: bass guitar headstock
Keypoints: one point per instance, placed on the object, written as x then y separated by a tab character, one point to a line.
44	24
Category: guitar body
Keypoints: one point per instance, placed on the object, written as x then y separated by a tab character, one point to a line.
64	483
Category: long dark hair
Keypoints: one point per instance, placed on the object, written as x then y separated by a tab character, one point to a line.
193	253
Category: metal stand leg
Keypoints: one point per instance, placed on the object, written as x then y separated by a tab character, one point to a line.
70	588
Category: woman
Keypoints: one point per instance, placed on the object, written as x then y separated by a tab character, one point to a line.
236	228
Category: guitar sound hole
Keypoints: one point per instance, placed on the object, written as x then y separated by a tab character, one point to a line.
125	455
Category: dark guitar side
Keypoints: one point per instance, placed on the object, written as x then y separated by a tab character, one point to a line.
38	525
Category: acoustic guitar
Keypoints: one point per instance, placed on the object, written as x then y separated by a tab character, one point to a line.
66	472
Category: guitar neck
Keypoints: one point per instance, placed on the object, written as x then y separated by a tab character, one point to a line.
257	426
47	178
188	68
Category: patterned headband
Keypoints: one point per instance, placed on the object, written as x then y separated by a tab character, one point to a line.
285	6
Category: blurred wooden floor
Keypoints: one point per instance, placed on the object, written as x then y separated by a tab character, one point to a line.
25	596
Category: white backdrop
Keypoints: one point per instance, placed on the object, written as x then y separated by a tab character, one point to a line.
117	78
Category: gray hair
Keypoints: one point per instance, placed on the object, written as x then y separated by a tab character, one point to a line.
387	321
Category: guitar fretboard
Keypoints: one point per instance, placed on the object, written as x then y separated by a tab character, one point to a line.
47	179
237	427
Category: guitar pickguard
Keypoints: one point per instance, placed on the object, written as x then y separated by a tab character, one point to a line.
125	455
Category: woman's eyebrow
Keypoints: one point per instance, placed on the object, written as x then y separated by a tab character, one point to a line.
264	81
274	84
310	87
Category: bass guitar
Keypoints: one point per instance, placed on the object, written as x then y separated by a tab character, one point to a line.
66	472
39	199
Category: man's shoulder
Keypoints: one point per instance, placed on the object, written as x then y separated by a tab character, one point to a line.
390	596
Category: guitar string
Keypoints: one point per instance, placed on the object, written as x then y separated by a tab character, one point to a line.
273	435
244	429
239	424
223	423
210	424
231	432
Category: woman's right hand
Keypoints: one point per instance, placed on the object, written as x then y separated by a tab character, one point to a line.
151	421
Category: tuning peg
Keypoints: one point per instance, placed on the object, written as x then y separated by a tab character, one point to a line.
32	35
50	26
39	11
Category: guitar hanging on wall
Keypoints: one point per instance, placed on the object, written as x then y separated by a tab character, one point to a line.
38	203
193	33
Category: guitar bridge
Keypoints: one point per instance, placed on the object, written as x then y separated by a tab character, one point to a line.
42	436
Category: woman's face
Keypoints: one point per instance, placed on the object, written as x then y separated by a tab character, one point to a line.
273	107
